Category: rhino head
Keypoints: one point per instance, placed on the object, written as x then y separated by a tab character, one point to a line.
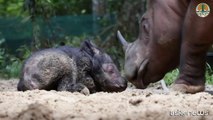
104	72
153	53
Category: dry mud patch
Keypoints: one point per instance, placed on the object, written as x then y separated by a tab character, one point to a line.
132	104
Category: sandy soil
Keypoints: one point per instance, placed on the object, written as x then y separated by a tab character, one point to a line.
132	104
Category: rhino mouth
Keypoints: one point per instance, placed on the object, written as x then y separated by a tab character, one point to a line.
141	73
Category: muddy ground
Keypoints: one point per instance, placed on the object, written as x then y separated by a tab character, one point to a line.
132	104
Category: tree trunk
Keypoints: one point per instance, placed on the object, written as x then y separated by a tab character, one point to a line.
99	8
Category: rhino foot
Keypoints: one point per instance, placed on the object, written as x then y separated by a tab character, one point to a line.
85	91
187	88
73	87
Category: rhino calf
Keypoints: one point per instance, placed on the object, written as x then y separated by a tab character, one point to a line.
85	69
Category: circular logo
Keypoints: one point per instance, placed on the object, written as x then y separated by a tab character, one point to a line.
202	10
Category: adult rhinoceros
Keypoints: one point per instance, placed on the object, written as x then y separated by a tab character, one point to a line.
171	33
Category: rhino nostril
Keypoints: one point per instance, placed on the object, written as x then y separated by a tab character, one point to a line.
122	87
123	84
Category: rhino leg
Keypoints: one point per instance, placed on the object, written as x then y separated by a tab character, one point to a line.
79	87
88	81
192	69
196	39
66	85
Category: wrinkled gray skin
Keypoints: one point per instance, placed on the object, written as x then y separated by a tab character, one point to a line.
170	34
85	69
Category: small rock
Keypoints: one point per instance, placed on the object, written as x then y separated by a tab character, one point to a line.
135	102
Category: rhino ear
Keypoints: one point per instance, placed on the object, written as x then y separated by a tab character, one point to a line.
90	48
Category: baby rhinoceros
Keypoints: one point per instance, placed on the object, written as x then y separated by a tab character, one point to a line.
86	69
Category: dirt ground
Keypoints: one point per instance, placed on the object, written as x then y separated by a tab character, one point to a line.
132	104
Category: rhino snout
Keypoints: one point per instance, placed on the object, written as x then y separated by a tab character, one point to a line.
117	86
121	86
130	72
21	86
27	85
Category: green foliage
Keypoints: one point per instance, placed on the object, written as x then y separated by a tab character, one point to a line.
75	41
46	8
24	52
12	70
171	76
2	51
115	5
72	7
209	74
10	8
9	64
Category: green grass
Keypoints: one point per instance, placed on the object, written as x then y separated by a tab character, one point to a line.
171	76
13	70
209	74
10	65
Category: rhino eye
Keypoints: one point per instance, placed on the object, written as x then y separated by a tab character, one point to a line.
146	27
108	67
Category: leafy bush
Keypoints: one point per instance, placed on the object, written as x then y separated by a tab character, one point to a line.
9	65
12	70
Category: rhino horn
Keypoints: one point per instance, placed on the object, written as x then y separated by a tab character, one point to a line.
122	40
